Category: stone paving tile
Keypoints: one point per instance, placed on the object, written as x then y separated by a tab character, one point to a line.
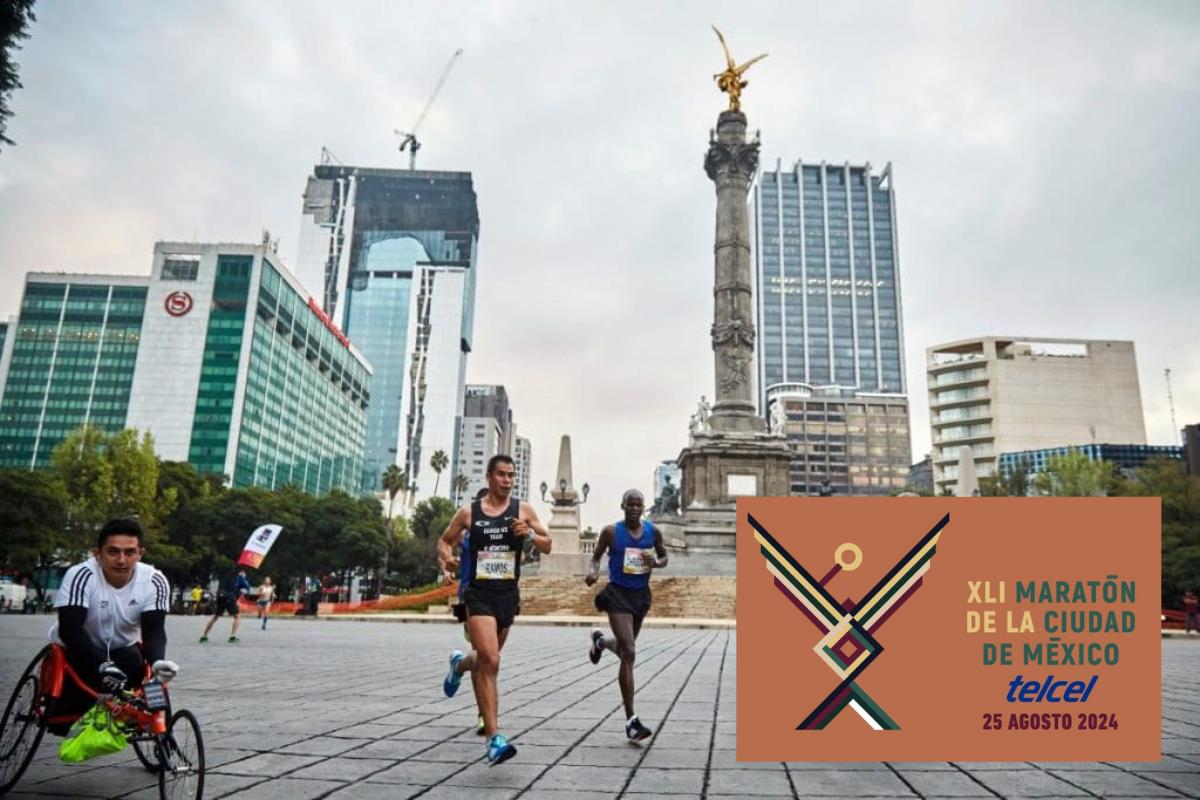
665	757
286	789
1027	783
215	785
1114	783
1185	782
388	748
385	730
750	782
267	765
322	746
566	794
342	769
942	783
667	781
567	777
446	792
850	783
605	757
511	775
96	783
426	773
377	791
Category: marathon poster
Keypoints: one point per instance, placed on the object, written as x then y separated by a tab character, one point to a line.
258	544
949	629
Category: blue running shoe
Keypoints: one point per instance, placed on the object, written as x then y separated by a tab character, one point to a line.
499	750
453	677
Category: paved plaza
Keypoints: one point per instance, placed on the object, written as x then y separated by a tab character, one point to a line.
326	709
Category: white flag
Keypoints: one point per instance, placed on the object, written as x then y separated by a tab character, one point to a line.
259	543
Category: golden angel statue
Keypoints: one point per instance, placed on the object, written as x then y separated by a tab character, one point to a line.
730	81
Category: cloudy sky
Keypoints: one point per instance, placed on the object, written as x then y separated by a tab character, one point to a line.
1045	156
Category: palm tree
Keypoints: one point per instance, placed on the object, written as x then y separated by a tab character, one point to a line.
460	485
394	479
439	462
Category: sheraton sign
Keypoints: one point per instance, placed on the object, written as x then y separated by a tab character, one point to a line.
328	323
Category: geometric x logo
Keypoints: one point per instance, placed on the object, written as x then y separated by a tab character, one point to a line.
849	645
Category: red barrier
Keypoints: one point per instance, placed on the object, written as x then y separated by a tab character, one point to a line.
395	603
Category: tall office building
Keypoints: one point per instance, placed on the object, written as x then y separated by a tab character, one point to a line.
219	354
392	253
830	330
1191	448
1009	394
71	356
6	348
485	431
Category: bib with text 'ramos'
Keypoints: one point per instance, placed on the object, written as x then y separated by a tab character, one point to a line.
496	566
949	629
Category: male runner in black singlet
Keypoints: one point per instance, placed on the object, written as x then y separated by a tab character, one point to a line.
498	525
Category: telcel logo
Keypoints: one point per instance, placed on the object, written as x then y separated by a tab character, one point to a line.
1029	691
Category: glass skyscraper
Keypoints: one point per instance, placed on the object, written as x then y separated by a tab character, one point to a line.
74	347
392	254
827	294
828	287
219	354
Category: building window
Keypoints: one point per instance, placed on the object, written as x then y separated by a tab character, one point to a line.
177	268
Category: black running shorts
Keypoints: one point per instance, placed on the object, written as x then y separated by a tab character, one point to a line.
503	604
227	605
616	599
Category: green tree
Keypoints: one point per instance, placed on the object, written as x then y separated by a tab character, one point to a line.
439	462
991	486
412	563
108	475
1016	483
431	517
394	480
15	16
1074	475
33	515
461	482
1180	495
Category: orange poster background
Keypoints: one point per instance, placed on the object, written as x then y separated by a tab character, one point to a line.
930	677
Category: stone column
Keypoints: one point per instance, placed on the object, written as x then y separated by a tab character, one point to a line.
731	164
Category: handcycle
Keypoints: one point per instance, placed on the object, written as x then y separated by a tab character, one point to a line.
168	744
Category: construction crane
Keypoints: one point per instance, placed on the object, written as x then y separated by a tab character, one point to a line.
1170	399
408	139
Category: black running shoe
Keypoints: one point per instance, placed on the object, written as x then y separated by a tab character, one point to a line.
597	646
636	731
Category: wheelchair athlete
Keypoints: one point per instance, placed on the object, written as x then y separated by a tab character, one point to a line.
106	606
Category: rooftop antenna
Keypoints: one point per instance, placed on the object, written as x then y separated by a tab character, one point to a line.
408	139
327	157
1171	399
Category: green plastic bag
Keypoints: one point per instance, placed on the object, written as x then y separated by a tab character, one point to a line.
96	733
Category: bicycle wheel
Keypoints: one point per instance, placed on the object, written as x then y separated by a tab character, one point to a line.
145	752
144	747
23	723
181	756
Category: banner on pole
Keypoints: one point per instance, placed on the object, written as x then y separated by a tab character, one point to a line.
258	544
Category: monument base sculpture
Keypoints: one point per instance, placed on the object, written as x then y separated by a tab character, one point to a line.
718	468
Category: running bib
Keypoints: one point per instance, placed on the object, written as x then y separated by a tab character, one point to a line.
496	565
634	565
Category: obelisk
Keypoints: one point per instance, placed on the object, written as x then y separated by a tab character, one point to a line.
564	514
732	454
